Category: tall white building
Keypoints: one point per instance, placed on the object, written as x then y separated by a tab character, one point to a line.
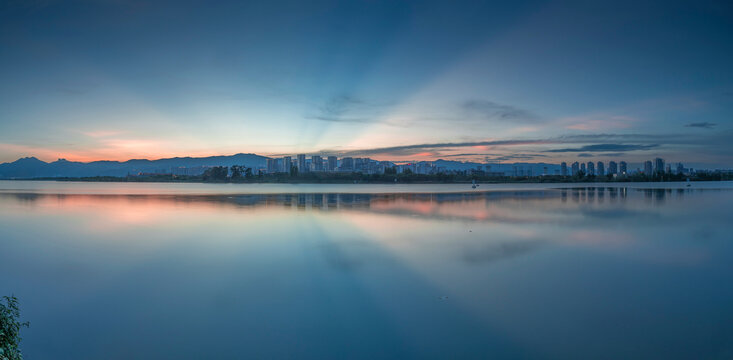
317	163
658	165
287	164
347	164
622	170
301	163
332	163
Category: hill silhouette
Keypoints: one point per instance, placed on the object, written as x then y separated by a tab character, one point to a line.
31	167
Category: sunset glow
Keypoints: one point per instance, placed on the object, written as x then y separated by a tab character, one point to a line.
156	92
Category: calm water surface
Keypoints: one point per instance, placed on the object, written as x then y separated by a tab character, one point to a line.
194	271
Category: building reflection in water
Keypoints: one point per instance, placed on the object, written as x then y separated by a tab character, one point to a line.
418	203
598	194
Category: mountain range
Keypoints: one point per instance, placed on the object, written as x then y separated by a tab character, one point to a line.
31	167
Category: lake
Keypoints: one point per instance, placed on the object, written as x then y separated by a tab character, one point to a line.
278	271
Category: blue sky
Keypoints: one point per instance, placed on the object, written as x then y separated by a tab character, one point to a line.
520	81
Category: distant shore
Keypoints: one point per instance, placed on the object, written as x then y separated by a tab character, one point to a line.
356	178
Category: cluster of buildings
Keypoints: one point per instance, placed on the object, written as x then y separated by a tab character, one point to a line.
317	163
301	164
620	169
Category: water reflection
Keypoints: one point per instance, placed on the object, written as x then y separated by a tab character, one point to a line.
326	201
500	206
505	274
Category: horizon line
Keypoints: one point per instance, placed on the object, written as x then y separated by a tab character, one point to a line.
280	156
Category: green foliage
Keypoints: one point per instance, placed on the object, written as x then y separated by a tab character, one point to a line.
10	329
219	174
216	173
237	171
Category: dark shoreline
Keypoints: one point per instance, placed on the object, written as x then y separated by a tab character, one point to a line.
357	178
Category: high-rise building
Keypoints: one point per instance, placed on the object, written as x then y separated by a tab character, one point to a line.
347	164
600	169
680	168
287	164
426	167
332	163
658	165
622	170
301	163
582	168
612	168
591	168
317	163
271	166
564	169
648	168
574	168
359	164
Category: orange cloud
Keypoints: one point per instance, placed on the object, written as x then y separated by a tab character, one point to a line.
105	149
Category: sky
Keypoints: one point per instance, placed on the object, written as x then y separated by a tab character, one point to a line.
515	81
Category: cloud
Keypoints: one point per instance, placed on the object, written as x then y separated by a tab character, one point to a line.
459	155
585	155
607	147
411	149
513	157
341	108
604	147
339	119
598	122
620	137
715	146
494	111
704	125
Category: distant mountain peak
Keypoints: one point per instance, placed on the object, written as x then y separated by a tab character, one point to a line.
31	167
29	159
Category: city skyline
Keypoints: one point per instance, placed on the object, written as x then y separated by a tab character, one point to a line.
324	163
521	82
366	179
